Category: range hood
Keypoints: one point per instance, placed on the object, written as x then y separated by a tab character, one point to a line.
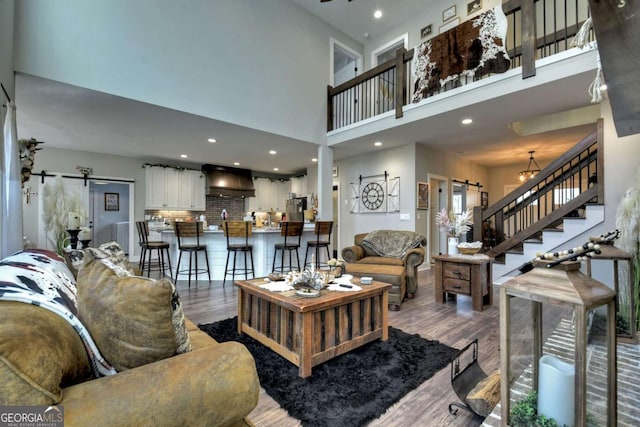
225	181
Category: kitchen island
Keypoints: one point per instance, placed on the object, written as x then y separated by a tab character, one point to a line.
263	241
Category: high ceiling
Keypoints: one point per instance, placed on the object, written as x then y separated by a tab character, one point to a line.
69	117
356	20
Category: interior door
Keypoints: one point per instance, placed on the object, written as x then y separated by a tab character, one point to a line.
106	221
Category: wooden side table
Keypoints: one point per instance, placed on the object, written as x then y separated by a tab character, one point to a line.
464	275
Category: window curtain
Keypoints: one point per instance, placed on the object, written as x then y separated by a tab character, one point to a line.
11	191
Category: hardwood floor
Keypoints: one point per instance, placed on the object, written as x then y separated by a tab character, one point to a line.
453	323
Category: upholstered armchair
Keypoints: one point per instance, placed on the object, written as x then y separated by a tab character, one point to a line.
391	256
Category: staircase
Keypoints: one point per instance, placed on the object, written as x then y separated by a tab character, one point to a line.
550	240
560	203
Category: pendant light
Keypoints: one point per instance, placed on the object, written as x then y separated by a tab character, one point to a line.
532	169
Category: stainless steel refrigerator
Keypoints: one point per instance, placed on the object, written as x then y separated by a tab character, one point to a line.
295	208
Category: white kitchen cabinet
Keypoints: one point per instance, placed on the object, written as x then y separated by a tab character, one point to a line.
171	189
299	186
192	190
262	200
281	190
270	194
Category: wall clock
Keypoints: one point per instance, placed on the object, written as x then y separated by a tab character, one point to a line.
372	196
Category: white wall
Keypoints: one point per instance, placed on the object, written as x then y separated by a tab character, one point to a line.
397	162
260	64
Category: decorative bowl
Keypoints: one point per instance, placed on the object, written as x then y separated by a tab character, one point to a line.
468	251
469	248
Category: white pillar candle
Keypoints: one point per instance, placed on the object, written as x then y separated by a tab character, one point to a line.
85	233
556	390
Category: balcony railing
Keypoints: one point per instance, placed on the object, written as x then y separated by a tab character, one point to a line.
384	88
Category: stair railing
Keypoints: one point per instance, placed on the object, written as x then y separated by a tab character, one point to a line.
561	189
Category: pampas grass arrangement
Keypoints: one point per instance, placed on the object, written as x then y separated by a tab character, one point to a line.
58	202
628	222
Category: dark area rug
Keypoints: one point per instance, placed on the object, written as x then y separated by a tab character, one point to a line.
351	389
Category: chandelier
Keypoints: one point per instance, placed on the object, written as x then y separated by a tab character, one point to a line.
532	169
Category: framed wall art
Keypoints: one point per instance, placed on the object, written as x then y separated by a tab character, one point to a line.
484	200
449	13
111	201
423	196
426	31
474	6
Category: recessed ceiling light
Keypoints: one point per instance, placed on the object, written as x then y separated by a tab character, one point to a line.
272	152
276	169
377	143
236	163
184	156
377	14
467	121
314	160
211	140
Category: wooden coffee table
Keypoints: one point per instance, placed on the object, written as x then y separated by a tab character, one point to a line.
309	331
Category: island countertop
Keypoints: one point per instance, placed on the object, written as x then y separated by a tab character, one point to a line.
263	241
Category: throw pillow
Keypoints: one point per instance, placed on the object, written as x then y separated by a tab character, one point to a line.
39	354
133	320
113	252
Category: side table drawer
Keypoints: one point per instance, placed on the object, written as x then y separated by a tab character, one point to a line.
457	286
456	270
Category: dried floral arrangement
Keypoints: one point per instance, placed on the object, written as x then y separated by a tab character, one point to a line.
454	225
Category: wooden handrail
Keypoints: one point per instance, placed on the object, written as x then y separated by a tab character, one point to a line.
579	158
546	172
544	222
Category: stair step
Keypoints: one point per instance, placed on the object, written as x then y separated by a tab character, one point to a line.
534	240
514	251
574	217
561	231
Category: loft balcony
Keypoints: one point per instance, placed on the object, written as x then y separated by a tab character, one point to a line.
542	65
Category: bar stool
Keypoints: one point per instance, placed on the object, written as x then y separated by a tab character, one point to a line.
146	256
323	228
185	234
235	230
291	231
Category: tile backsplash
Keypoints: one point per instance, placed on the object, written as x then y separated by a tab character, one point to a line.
235	209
